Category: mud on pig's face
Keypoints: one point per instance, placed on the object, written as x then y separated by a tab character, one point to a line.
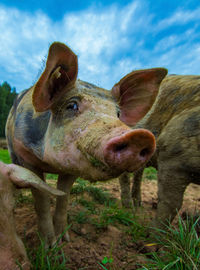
85	136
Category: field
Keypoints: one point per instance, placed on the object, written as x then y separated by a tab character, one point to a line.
106	236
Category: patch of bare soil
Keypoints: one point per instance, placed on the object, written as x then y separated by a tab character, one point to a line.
89	245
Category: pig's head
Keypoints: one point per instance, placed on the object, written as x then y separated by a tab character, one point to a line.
86	136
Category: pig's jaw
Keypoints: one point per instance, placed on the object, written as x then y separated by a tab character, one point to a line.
76	163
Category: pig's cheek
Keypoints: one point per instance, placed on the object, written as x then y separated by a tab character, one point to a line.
64	156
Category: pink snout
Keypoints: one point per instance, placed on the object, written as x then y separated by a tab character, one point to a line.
130	151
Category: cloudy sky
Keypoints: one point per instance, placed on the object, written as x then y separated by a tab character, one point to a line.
111	38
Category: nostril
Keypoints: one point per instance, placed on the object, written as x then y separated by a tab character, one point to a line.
144	152
119	147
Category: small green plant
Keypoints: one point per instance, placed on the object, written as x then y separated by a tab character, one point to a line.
113	215
98	194
106	262
150	173
51	176
4	156
137	230
79	186
89	205
21	199
180	248
82	217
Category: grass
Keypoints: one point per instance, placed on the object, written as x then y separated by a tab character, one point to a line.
97	194
23	198
100	209
51	176
113	215
180	247
4	156
150	173
47	258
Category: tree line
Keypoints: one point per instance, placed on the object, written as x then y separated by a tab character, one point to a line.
7	97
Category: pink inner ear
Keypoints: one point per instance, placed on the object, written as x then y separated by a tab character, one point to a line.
136	92
131	117
136	101
60	74
135	104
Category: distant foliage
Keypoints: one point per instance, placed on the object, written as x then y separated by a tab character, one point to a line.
7	96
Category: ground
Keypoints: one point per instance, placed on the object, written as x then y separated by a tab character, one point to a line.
91	244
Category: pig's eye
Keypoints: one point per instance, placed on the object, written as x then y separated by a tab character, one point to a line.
118	114
73	106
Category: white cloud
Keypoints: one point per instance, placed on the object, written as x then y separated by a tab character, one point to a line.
109	42
179	17
96	36
171	41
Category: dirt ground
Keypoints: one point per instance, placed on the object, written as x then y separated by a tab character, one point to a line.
3	144
88	246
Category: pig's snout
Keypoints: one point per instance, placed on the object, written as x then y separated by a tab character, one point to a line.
130	151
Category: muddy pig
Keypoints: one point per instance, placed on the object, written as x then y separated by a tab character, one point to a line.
174	119
72	128
11	246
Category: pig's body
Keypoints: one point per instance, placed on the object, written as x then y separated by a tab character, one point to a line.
174	119
11	246
66	126
12	249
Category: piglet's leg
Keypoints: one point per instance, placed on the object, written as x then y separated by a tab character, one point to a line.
65	183
45	222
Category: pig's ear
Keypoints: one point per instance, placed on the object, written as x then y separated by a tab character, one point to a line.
25	178
59	75
136	93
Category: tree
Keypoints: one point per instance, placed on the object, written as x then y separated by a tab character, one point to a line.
7	97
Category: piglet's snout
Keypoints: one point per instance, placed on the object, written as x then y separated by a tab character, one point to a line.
130	151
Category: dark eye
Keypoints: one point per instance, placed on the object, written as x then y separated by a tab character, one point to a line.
118	114
73	106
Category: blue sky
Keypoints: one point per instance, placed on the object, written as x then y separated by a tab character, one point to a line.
111	38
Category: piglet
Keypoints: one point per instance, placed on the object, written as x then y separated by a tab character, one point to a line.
12	249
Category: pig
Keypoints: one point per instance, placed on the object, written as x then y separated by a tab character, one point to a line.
11	246
72	128
174	119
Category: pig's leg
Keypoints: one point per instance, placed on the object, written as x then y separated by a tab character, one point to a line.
136	188
124	181
42	207
172	182
65	183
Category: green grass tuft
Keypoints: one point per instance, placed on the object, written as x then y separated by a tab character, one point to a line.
47	258
82	217
4	156
180	248
97	194
150	173
21	199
